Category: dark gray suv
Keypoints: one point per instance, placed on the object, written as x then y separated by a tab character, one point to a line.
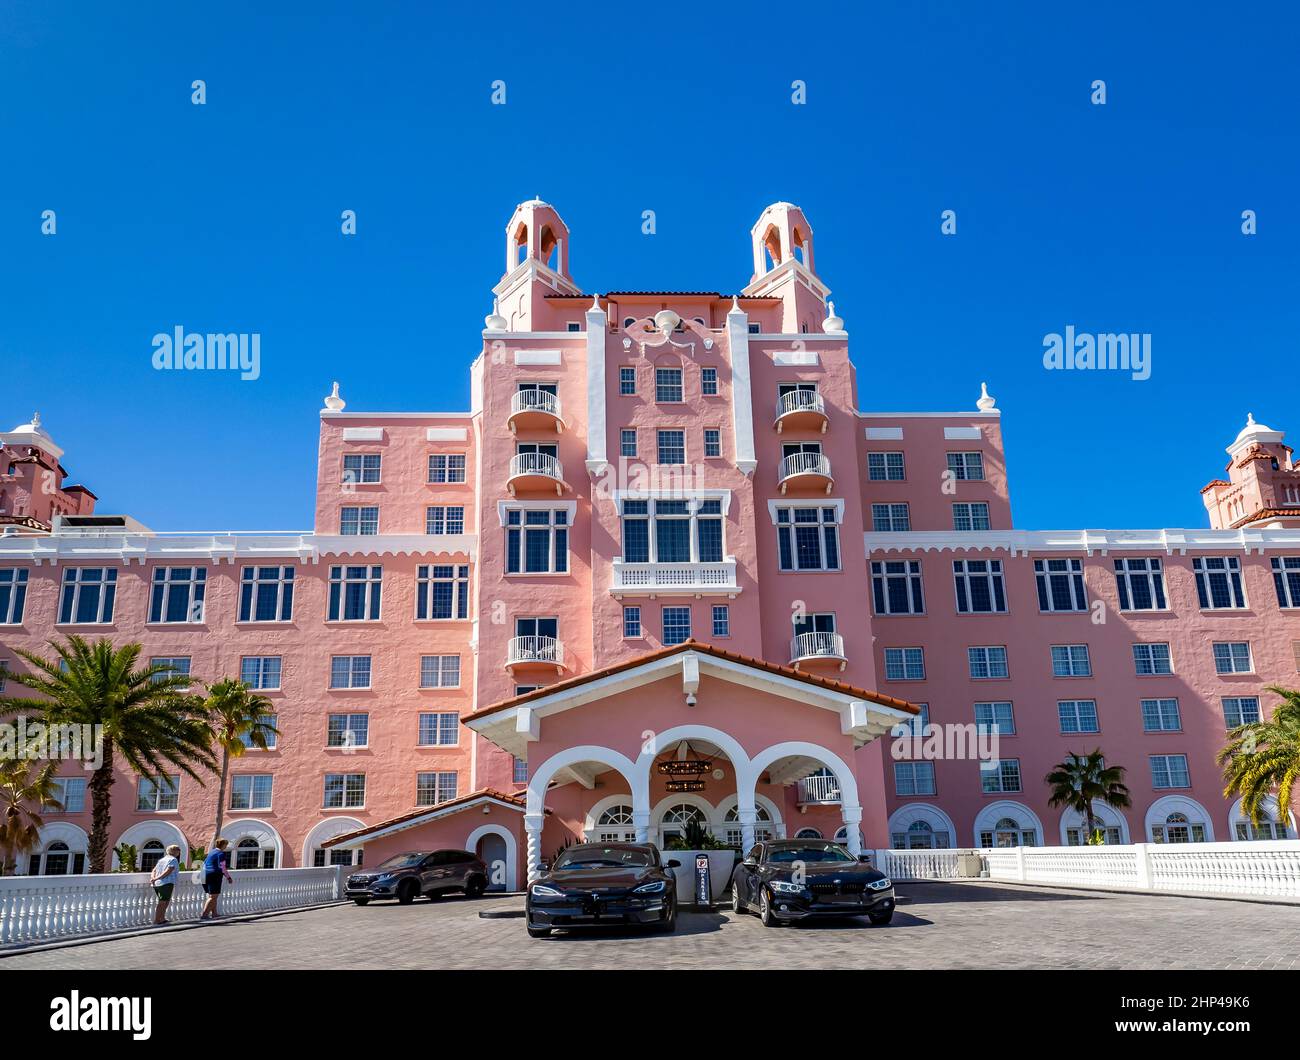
433	873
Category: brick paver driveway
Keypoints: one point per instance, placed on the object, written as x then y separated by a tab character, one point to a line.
945	925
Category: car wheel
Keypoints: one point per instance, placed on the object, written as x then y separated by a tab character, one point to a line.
406	892
881	919
670	925
539	933
765	910
475	887
737	904
362	901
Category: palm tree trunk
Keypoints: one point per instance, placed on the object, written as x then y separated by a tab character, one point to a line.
101	795
221	797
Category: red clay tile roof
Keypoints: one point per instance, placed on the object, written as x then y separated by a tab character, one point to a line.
491	793
1267	513
703	649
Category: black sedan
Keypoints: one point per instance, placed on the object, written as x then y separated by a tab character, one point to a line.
603	884
795	879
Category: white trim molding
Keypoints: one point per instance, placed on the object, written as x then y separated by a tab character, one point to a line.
1089	542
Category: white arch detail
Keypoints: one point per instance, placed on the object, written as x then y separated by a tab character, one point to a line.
166	832
593	815
512	850
252	828
988	817
773	812
661	741
324	830
1236	816
800	749
1159	811
606	756
62	832
1107	815
906	816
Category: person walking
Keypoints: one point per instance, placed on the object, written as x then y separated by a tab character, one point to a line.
164	878
216	866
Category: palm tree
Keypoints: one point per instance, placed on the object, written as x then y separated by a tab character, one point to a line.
239	720
1079	782
1265	755
140	712
23	795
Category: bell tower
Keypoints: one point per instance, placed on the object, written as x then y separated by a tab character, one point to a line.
537	264
784	267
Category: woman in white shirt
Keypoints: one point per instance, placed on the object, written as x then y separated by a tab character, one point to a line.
164	878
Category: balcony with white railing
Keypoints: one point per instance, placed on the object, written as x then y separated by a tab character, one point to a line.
674	579
809	648
801	410
819	790
806	471
531	472
535	410
524	652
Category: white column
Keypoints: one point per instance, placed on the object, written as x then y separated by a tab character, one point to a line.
852	819
742	398
641	822
747	837
596	428
533	826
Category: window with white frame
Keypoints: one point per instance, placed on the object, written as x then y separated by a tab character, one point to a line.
677	625
434	787
987	662
627	442
150	854
1268	829
519	770
1078	835
712	441
88	595
668	530
1161	715
1152	659
914	778
1060	585
996	717
1232	657
447	467
916	726
1178	829
537	540
671	446
1169	771
885	467
345	790
1071	660
444	519
887	518
896	587
70	793
441	592
158	795
177	594
270	730
733	833
350	671
721	620
440	729
1141	584
709	382
361	468
615	825
439	671
1000	776
1218	582
260	672
968	466
632	622
13	595
1286	580
904	664
178	665
921	835
251	791
970	515
357	520
668	386
627	381
266	594
347	730
354	593
980	586
1077	715
1240	710
808	539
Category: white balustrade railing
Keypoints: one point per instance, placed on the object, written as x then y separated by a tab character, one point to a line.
800	401
534	650
47	908
712	577
917	864
805	464
814	645
819	789
535	401
536	464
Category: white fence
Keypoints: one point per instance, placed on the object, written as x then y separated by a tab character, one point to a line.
46	908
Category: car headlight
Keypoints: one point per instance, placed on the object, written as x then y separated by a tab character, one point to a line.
880	885
540	890
653	887
781	887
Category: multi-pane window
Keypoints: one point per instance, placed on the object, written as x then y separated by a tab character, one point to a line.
519	772
88	595
158	795
668	385
1141	584
348	730
995	718
904	664
447	467
177	594
627	442
354	520
916	726
251	791
973	515
712	441
361	468
433	788
441	591
672	447
914	778
260	671
439	671
1178	829
890	517
1232	657
1218	582
672	531
354	593
1240	710
631	621
1002	775
1077	715
896	587
808	539
266	594
345	790
709	382
721	620
1071	660
439	730
444	519
885	467
627	381
70	792
13	594
1152	659
967	466
537	541
1169	771
178	665
677	625
980	586
350	671
1060	585
987	662
1161	715
270	730
1286	580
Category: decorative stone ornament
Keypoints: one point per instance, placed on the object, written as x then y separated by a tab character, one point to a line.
832	323
333	402
494	321
985	403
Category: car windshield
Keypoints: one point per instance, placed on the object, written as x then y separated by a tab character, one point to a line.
809	852
602	857
403	861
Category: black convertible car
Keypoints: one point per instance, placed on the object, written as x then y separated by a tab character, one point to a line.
794	879
603	884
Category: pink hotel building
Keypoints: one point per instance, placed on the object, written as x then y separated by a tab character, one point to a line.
665	532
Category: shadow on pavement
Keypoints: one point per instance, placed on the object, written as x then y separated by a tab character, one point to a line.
925	892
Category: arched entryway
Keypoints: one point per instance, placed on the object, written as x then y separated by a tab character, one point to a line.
497	849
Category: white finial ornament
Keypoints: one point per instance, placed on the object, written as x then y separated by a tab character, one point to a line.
494	321
595	304
985	403
335	403
1250	419
832	322
36	419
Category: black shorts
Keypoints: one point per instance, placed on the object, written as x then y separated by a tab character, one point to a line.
212	883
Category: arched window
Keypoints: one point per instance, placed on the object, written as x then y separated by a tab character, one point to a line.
732	833
1008	833
921	835
248	854
1078	835
150	854
1268	828
1178	829
808	833
628	322
615	825
677	817
842	836
59	861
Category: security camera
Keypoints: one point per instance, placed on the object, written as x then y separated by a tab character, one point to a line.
690	699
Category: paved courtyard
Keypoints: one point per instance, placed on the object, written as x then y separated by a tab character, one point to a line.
944	925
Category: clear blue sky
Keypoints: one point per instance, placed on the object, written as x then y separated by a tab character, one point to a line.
225	217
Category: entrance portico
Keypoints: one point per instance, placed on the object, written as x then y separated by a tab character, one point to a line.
763	726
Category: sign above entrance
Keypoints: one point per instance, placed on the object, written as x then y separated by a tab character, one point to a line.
690	767
685	785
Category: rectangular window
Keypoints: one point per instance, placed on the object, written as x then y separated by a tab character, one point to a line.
1169	771
886	518
668	384
251	791
361	468
1071	660
1286	580
1161	715
1240	710
677	625
439	730
348	730
178	664
808	539
345	790
709	382
627	442
439	671
1141	584
447	467
519	774
1152	659
904	664
440	519
1000	776
979	585
71	794
967	466
1218	582
537	541
755	329
354	521
434	788
1060	585
354	593
712	441
266	594
672	447
721	620
627	381
917	726
1077	715
441	592
631	621
270	731
885	467
914	778
260	671
350	671
987	663
1232	657
896	587
13	594
177	594
159	796
970	516
995	718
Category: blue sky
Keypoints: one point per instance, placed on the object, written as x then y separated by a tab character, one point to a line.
225	217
